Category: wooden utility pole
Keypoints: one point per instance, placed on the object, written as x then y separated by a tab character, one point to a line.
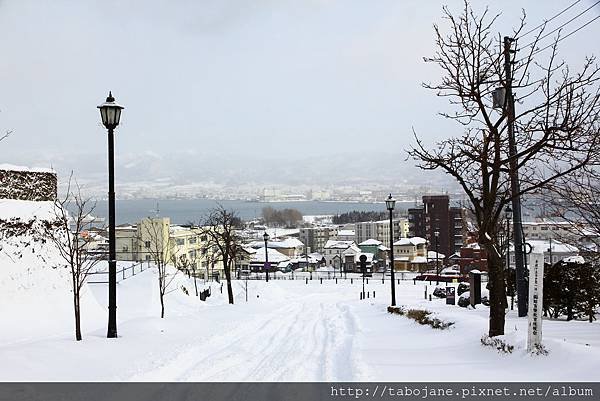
520	264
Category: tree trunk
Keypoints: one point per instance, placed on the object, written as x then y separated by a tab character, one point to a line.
228	278
77	310
195	284
161	290
497	291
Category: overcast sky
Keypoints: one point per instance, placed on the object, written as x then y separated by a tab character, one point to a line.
280	77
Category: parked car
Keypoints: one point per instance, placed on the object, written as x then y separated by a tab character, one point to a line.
446	275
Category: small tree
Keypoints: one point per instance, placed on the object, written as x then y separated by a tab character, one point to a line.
155	239
220	229
68	235
189	265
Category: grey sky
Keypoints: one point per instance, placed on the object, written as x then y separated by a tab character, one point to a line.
276	77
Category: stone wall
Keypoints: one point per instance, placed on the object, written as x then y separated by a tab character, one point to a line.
28	185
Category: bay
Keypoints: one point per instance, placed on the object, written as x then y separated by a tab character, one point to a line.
183	211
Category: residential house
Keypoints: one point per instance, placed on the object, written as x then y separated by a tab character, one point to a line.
410	254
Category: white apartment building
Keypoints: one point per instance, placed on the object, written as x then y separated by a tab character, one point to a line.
380	230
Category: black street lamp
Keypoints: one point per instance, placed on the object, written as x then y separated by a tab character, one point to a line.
437	256
110	112
389	204
266	238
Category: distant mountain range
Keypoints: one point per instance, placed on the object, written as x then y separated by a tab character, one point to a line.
198	172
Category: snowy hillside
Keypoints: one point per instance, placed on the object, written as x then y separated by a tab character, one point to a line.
291	331
284	330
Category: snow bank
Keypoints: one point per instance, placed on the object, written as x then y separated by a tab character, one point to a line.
11	167
26	211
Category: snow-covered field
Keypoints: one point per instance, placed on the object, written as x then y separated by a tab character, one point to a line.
286	331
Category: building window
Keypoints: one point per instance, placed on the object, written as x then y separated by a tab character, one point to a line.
192	240
147	244
180	241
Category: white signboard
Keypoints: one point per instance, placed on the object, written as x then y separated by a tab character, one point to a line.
536	291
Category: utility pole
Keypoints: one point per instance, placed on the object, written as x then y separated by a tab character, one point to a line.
519	245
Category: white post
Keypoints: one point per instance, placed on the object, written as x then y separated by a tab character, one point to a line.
536	296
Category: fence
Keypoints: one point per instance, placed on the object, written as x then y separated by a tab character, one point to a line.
123	274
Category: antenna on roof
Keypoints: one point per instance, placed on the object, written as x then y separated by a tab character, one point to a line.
157	211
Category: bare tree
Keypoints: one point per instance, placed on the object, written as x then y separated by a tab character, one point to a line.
189	265
68	235
157	244
219	227
556	125
576	201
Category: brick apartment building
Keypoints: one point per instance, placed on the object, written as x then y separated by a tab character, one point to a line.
437	215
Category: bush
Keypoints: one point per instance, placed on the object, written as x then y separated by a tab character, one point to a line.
540	350
464	300
421	316
439	292
571	289
497	343
462	288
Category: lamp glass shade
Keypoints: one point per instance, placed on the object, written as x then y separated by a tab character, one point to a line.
110	112
266	236
390	203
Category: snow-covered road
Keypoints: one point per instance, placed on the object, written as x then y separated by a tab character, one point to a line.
308	340
286	331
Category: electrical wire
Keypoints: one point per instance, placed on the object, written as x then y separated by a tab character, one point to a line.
566	36
548	20
563	25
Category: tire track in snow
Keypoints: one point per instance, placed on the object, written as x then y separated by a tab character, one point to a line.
197	359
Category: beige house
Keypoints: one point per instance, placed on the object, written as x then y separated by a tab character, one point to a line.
410	254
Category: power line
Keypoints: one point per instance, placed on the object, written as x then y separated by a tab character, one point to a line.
548	20
563	25
559	39
566	36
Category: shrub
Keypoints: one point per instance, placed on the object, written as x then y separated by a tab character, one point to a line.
464	300
439	292
497	343
571	289
462	288
540	350
421	316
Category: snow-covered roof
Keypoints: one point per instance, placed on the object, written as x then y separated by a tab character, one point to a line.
352	250
419	259
543	246
274	256
410	241
289	243
383	248
333	244
433	255
346	233
11	167
370	241
575	259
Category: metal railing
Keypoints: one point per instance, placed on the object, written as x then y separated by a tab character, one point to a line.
123	274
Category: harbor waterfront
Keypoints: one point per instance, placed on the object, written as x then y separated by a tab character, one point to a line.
182	211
